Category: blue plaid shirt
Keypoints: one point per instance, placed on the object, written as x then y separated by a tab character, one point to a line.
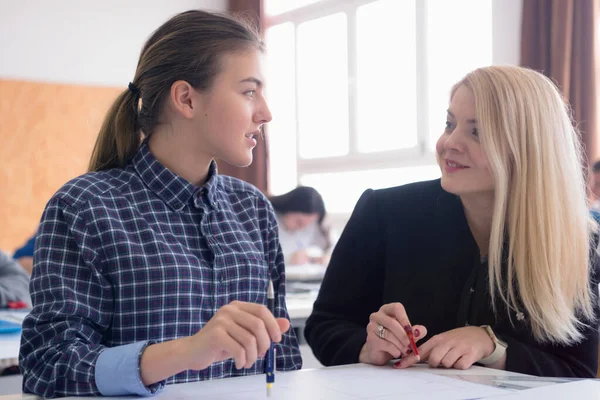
132	256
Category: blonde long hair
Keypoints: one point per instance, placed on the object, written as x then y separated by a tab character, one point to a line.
541	222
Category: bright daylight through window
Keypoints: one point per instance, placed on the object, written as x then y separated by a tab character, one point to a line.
359	89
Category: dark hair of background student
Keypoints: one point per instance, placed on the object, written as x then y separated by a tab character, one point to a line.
303	199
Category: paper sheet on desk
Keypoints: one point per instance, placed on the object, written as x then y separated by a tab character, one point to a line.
305	272
344	383
303	288
10	342
511	382
13	316
9	346
583	389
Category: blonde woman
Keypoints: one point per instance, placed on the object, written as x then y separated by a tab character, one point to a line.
496	261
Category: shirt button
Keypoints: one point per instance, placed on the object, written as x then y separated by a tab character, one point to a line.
471	290
215	204
467	323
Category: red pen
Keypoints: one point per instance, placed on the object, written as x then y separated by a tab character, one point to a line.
16	304
409	332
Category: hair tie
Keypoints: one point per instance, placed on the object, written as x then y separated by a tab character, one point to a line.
133	89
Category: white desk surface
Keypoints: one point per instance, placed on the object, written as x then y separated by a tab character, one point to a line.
10	342
353	381
9	345
300	298
346	383
299	306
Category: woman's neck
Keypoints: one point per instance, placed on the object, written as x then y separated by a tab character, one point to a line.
181	160
479	210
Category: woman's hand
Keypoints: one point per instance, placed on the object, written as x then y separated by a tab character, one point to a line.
242	331
459	348
323	260
395	342
299	258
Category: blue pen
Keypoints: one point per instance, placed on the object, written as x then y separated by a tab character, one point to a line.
270	358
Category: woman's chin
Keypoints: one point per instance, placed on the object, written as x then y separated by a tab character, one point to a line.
242	161
449	185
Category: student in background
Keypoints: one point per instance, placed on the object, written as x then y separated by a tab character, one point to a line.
596	186
24	254
152	268
300	214
14	282
496	261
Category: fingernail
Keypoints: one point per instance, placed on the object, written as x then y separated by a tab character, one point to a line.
409	351
407	328
398	364
417	332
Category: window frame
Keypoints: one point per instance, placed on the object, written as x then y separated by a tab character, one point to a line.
419	155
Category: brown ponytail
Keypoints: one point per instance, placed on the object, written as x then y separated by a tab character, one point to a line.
119	137
187	47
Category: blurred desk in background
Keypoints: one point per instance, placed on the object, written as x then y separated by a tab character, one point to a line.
10	341
305	272
300	298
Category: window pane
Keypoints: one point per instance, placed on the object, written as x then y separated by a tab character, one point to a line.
459	35
387	107
323	87
341	190
281	96
276	7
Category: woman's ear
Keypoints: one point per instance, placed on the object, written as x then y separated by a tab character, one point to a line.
183	98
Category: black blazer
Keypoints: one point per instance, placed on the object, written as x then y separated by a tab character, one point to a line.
412	244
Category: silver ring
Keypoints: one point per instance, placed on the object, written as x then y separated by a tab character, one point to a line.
381	331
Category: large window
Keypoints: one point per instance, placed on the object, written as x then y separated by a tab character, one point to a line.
359	88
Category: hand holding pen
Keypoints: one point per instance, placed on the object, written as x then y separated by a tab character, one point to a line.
390	335
239	330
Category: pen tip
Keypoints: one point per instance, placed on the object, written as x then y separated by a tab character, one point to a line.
418	358
269	390
271	290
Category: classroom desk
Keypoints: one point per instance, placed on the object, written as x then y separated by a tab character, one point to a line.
9	349
350	382
299	306
10	342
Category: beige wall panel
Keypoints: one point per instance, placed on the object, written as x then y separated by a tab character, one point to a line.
47	132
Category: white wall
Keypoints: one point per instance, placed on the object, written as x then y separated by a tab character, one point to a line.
98	41
506	31
93	42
